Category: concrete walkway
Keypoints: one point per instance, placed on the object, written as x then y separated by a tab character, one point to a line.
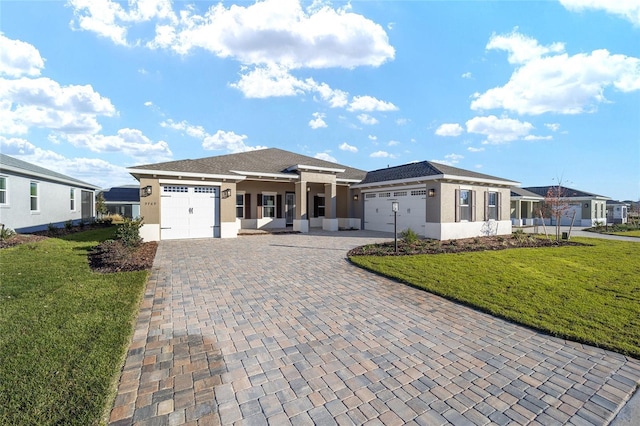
281	329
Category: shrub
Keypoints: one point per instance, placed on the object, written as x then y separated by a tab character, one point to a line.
409	236
68	225
6	233
129	232
52	229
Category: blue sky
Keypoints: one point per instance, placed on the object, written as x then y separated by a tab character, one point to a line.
531	91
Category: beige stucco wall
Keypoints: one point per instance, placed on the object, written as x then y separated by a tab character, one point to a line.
228	205
446	194
150	206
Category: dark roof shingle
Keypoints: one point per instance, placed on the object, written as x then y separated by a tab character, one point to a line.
420	169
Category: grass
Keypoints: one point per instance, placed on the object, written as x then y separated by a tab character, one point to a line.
64	331
589	294
628	233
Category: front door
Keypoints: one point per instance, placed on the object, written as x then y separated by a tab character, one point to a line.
290	207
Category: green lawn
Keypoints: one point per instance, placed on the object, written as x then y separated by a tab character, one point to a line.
64	331
628	233
589	293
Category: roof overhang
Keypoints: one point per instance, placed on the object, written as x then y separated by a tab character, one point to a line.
306	168
440	177
71	182
261	175
137	173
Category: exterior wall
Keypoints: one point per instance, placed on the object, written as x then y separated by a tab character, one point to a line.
446	196
150	206
451	231
54	205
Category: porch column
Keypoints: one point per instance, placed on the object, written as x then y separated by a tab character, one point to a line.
330	222
301	221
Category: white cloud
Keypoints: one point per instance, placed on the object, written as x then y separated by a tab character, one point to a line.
372	137
130	142
537	138
499	130
197	132
522	48
326	157
318	121
346	147
559	83
449	129
335	97
18	58
381	154
627	9
473	149
402	121
552	126
148	104
369	103
466	75
367	119
266	32
229	141
393	143
450	159
42	102
270	81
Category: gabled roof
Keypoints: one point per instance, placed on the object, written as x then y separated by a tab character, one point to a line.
271	160
13	164
426	169
565	191
523	193
127	193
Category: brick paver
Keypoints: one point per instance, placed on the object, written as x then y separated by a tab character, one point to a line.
281	329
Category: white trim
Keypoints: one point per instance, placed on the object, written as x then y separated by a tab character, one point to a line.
440	177
315	168
343	180
228	229
188	182
269	175
6	191
135	172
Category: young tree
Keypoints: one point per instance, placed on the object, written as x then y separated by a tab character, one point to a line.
101	207
556	205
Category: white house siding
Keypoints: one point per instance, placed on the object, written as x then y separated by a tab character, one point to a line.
411	214
54	206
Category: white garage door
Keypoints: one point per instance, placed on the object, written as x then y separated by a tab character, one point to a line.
411	213
189	212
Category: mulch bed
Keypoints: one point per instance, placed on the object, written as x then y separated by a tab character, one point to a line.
458	246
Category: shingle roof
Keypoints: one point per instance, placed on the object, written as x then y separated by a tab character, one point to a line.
567	192
33	170
420	169
270	160
521	192
127	193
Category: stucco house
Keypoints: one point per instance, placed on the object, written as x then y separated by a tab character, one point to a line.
272	188
436	201
525	206
123	200
268	188
617	211
590	209
32	198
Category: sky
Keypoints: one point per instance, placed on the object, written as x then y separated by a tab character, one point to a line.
538	92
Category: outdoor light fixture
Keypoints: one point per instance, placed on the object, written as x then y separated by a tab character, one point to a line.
226	193
145	191
395	206
355	197
432	192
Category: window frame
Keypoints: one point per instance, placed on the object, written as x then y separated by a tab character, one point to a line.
266	208
492	209
4	191
321	205
465	207
240	206
72	199
32	197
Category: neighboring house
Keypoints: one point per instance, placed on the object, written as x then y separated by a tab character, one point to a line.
589	209
123	200
32	198
269	188
436	201
617	211
525	207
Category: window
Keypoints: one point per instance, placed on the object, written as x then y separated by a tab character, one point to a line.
34	196
3	190
268	205
72	199
465	202
370	195
175	189
320	207
417	192
492	205
240	206
400	194
384	195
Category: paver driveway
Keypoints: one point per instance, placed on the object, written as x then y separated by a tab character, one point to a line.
282	329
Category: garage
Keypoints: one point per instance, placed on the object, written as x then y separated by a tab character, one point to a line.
378	215
189	212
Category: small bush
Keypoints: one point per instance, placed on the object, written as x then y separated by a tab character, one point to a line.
68	225
409	236
129	232
52	229
6	233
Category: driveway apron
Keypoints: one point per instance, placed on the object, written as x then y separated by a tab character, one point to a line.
282	329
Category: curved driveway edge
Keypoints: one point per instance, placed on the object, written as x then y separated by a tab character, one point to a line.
282	329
